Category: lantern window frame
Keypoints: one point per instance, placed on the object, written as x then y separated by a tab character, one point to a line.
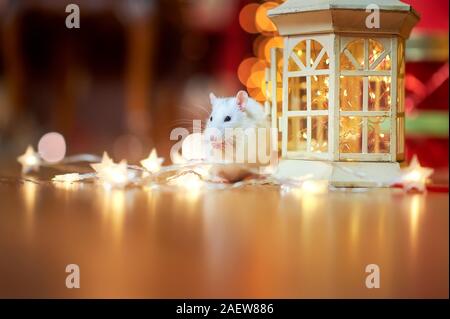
307	71
333	45
389	44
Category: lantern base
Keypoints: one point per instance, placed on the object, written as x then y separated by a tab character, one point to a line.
342	174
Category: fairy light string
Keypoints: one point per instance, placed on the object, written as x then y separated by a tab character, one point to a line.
192	174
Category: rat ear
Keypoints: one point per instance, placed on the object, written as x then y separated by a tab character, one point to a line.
241	100
212	98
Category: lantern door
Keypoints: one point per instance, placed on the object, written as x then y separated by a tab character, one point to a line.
305	119
367	99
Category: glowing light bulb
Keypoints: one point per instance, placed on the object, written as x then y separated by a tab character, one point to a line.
152	163
30	160
315	187
67	178
112	174
415	176
116	175
105	162
189	180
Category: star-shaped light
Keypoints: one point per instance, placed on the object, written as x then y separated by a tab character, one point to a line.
30	160
112	174
115	175
152	163
415	176
106	162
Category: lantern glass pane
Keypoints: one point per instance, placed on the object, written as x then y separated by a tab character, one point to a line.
324	62
350	134
319	92
300	51
378	135
351	93
375	50
297	94
355	49
385	64
319	134
379	93
297	134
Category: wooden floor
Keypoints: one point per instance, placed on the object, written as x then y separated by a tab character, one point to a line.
254	242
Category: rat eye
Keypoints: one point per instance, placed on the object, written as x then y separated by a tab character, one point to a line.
227	119
210	118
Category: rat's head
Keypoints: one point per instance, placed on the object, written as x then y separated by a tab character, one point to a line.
227	113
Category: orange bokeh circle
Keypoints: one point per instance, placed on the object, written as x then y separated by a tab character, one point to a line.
247	18
245	69
263	23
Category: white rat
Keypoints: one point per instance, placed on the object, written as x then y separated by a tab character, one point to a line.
239	112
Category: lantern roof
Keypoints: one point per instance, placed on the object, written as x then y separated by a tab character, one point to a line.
294	6
321	16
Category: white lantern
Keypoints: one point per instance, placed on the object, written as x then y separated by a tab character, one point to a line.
341	115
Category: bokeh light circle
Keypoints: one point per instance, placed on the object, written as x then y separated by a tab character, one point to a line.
247	18
275	42
245	69
52	147
259	46
263	23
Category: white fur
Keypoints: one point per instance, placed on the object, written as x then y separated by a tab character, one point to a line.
245	113
252	116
